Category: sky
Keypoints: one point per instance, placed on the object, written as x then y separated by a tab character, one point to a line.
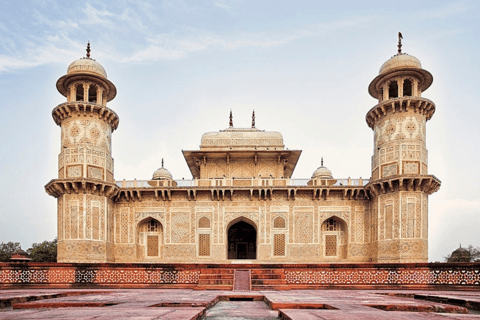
180	66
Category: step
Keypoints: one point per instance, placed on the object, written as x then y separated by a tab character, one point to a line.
268	271
216	271
268	276
214	287
216	282
215	276
268	282
270	287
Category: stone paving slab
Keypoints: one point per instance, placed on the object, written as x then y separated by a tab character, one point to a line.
191	304
241	310
296	314
103	313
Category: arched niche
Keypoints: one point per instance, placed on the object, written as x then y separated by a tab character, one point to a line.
334	238
149	238
79	92
279	223
242	239
407	87
204	223
92	93
393	89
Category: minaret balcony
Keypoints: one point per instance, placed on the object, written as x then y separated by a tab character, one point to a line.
402	104
85	108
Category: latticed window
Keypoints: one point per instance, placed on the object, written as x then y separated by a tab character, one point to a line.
330	245
279	244
204	222
331	225
152	246
279	222
204	245
152	226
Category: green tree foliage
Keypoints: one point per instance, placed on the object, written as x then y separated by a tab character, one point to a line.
6	250
43	252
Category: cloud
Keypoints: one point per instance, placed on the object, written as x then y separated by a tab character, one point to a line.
142	32
448	10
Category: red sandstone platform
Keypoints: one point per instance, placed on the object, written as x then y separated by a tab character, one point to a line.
193	304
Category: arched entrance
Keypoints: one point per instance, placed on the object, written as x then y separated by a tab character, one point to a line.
335	238
149	239
242	241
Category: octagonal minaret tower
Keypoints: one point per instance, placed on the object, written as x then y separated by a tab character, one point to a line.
85	184
400	183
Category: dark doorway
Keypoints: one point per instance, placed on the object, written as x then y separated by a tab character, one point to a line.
242	241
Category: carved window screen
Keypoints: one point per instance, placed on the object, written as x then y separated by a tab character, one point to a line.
204	245
152	246
331	225
152	226
279	244
330	245
279	222
204	222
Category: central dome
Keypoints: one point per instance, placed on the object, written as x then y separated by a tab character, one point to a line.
242	139
86	65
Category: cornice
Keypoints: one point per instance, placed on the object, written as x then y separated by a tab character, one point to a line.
58	187
388	107
424	183
68	109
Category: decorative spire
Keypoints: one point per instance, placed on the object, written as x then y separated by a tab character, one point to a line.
162	162
88	49
231	119
253	119
321	163
400	37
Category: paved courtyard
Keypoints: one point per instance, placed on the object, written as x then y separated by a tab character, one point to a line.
191	304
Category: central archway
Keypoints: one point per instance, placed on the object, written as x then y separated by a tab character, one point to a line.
242	240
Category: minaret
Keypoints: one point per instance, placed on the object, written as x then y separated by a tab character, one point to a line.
85	184
400	183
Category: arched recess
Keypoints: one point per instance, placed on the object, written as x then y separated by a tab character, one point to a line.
92	93
149	238
79	92
393	89
334	238
242	239
407	88
204	223
279	223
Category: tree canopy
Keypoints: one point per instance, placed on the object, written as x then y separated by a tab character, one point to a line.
6	250
45	251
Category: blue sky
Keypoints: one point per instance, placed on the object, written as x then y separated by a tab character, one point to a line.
180	66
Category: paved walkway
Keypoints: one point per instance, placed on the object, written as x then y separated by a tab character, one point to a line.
189	304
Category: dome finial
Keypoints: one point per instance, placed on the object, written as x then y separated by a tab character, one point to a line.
253	119
400	37
162	162
231	119
88	49
321	163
